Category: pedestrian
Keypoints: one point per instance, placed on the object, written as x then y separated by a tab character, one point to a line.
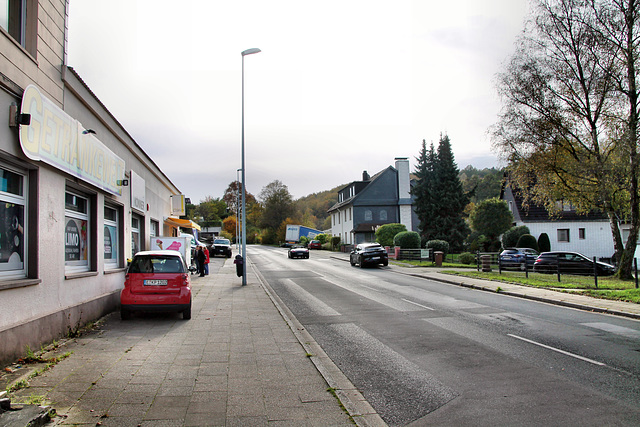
201	258
206	260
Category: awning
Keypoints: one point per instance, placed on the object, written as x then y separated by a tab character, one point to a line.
179	222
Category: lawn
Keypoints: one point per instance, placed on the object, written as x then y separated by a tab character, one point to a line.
608	287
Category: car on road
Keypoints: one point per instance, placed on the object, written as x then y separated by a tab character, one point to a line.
220	247
156	281
518	258
369	253
298	252
570	263
315	244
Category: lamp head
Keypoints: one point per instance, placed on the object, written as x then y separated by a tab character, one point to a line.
250	51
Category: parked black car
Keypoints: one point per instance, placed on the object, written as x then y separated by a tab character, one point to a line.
298	252
518	258
368	253
220	247
570	263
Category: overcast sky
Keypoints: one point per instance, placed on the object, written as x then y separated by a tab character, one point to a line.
340	86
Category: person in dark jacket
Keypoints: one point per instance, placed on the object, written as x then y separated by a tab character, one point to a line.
201	257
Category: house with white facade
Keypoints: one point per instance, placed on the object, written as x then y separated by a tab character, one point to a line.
568	230
363	206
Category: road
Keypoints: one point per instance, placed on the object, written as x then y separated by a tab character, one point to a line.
428	353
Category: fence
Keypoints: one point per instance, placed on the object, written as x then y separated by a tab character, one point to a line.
486	261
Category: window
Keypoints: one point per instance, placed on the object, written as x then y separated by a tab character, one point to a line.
155	227
111	237
12	223
383	215
563	235
368	215
76	232
135	234
582	233
19	19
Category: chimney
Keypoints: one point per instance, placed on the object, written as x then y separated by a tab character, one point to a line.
404	192
365	176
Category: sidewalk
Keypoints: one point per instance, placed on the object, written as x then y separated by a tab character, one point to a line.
241	360
581	302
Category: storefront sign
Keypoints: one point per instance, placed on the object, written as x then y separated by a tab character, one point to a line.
56	138
138	192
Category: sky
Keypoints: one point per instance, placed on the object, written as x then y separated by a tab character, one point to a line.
339	87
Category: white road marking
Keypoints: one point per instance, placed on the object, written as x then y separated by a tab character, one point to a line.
419	305
595	362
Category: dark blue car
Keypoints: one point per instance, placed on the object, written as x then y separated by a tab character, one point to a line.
518	258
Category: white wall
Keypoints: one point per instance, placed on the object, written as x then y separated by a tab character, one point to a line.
598	240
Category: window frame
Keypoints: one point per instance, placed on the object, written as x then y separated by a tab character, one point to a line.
27	27
114	261
561	235
20	200
81	265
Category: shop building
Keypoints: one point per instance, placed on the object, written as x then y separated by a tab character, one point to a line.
78	196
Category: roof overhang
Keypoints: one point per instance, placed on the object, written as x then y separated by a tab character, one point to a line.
179	222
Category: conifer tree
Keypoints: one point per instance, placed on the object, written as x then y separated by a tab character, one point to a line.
422	190
439	197
450	198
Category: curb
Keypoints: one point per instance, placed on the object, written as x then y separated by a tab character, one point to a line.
355	404
553	301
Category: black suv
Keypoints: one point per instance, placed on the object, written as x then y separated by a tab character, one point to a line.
221	247
369	253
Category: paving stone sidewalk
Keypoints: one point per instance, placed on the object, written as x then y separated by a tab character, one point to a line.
237	362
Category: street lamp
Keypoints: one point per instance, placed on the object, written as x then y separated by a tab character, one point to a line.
238	208
244	191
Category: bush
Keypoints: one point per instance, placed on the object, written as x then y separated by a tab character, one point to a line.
510	237
407	240
335	241
544	244
322	238
466	258
386	233
438	245
527	241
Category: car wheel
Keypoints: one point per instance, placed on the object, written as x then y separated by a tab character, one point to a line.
361	263
385	264
351	261
125	314
186	315
289	255
307	256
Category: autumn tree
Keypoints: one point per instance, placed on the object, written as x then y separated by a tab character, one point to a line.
569	122
277	203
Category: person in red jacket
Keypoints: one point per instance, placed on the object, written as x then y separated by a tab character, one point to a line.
206	260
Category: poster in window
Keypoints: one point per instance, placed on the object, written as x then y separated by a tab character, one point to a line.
75	237
110	242
11	236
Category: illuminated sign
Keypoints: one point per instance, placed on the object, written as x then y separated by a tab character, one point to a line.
56	138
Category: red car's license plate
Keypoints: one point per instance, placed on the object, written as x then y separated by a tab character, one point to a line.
153	282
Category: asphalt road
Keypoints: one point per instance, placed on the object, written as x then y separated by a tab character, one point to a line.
428	353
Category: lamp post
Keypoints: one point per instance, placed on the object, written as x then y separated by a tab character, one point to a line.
238	208
244	191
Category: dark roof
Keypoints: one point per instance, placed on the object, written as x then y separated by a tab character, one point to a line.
351	199
530	211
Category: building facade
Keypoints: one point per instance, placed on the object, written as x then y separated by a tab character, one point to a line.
363	206
589	234
78	195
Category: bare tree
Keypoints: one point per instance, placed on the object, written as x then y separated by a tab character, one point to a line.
566	129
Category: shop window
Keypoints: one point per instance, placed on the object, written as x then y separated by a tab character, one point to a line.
13	229
19	19
111	238
76	232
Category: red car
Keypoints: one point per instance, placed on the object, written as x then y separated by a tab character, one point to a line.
156	281
315	244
